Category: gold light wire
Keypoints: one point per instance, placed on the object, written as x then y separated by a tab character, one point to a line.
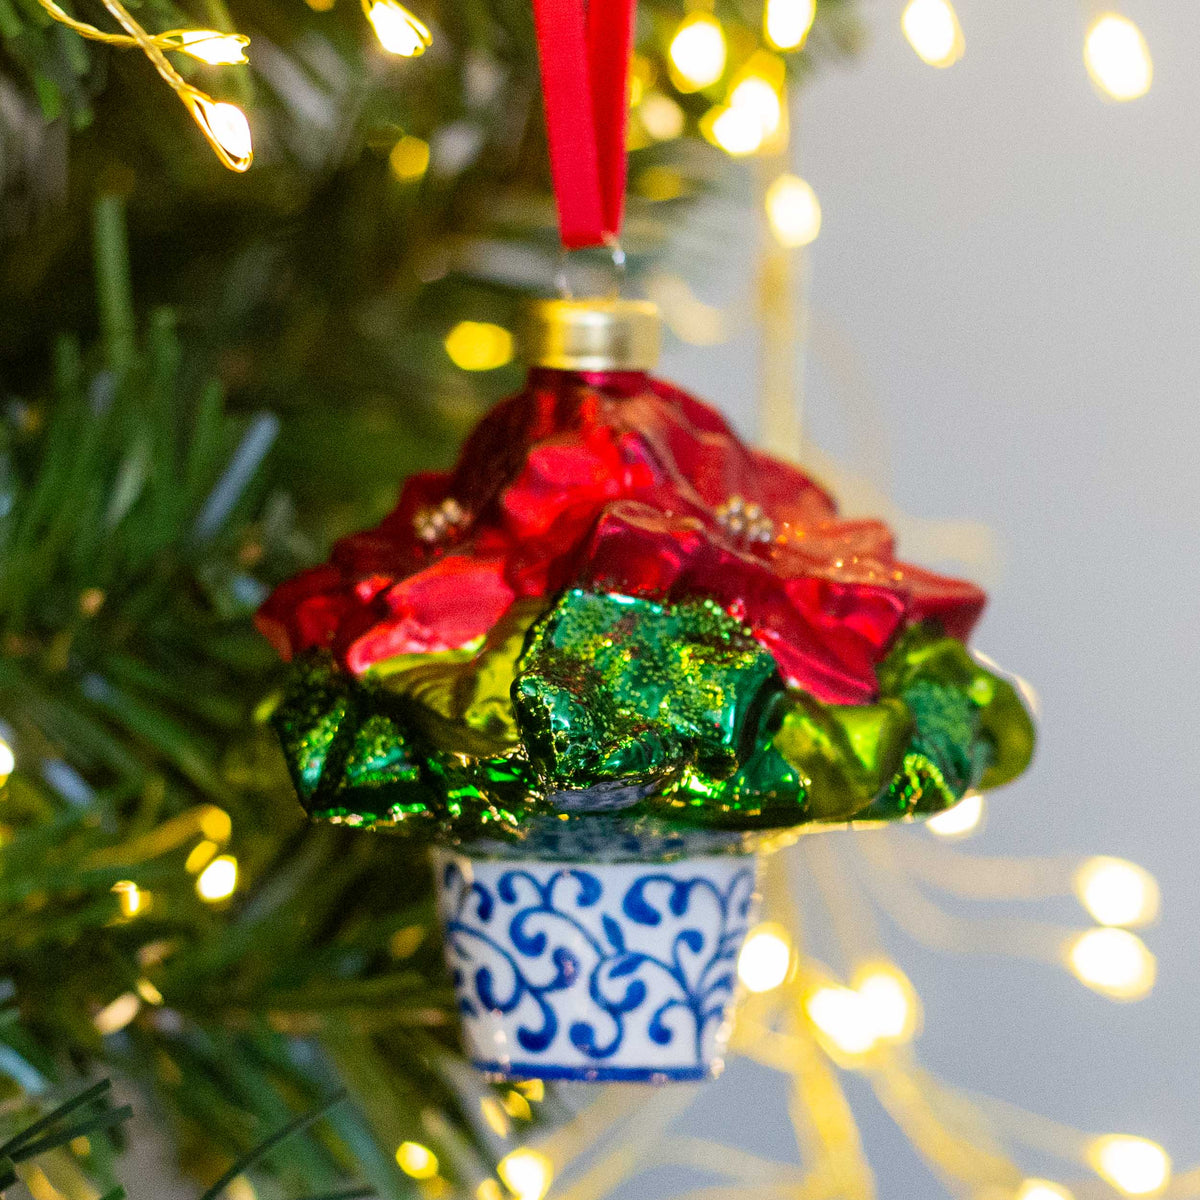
223	125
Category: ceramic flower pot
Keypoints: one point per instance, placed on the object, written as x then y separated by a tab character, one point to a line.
597	971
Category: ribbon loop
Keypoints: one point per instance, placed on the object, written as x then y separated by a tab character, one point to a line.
584	58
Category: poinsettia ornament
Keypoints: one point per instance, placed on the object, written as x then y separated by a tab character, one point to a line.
599	663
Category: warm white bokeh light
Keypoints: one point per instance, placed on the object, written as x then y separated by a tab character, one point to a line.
736	130
526	1173
1117	892
661	117
697	53
963	819
1135	1166
1117	58
130	897
1042	1189
479	346
933	31
112	1018
761	100
1113	962
8	760
786	22
843	1017
417	1161
890	1000
793	211
218	881
765	958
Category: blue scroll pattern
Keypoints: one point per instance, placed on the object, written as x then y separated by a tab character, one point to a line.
651	964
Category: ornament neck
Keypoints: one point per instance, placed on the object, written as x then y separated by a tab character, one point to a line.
593	336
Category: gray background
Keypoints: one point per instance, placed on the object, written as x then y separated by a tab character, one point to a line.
1004	329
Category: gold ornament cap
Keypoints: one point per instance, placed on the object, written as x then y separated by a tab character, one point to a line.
592	335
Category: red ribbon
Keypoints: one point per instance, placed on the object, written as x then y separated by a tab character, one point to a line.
585	86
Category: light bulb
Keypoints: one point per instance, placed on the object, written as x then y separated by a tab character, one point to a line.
224	125
479	346
1117	892
1113	962
398	31
218	881
526	1173
786	22
1117	57
793	211
8	760
1135	1166
208	45
697	53
416	1160
765	958
964	818
933	31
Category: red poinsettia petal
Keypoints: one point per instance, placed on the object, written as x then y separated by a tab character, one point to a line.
443	607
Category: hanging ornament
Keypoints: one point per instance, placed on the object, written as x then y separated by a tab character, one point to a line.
612	655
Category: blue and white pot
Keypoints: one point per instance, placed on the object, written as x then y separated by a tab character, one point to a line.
597	971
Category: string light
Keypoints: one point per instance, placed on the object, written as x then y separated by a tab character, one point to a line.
218	881
200	856
479	346
786	22
526	1173
1135	1166
933	31
756	96
661	117
1042	1189
8	761
409	158
890	1000
223	125
215	823
765	958
1117	57
963	819
737	131
130	898
1117	892
843	1018
494	1115
207	46
1113	962
398	31
697	53
416	1160
112	1018
148	992
793	211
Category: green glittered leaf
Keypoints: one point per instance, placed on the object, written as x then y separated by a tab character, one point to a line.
616	695
315	709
